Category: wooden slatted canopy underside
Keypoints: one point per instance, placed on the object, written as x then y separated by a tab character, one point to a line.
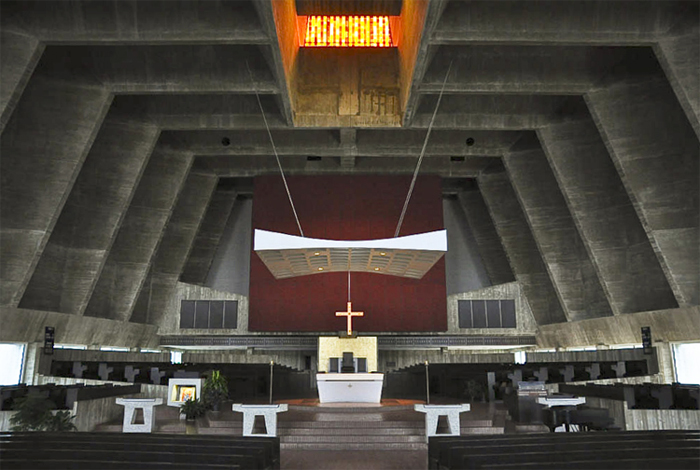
288	256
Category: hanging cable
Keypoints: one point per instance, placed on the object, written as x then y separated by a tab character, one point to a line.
274	148
422	154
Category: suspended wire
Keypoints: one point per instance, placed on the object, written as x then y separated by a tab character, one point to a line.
348	286
274	149
422	154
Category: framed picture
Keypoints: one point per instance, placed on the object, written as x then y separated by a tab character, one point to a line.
187	393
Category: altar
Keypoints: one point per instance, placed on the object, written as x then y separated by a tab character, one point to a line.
347	368
351	388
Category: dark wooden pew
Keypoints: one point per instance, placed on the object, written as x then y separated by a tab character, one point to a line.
254	453
478	461
23	464
254	457
439	447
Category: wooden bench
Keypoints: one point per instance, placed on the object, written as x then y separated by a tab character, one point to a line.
254	453
441	453
591	455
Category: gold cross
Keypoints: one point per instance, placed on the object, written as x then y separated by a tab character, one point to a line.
349	313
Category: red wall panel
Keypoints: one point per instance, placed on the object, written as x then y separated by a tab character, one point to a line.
347	208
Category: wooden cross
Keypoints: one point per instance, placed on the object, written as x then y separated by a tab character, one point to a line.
349	313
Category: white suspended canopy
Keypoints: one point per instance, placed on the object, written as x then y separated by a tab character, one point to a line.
289	256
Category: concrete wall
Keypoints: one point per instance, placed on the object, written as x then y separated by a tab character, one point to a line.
464	269
170	324
524	320
230	266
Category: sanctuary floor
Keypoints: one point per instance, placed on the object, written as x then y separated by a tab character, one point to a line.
354	460
483	418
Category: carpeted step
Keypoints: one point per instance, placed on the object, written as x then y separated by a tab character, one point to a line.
352	439
343	431
352	447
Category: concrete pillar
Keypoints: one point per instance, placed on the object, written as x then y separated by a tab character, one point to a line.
608	225
574	278
664	355
209	236
20	53
68	269
169	260
43	147
493	256
520	246
142	229
657	155
33	356
680	58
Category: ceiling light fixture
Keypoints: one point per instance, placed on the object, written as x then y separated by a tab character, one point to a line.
348	31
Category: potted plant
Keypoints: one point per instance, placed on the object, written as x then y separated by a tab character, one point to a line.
215	390
192	409
474	391
37	413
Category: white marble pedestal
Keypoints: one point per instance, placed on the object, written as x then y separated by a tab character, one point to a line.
130	405
432	412
268	411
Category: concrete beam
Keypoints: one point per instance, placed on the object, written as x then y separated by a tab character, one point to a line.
575	280
208	237
248	166
418	19
43	147
22	325
279	21
608	225
493	256
554	70
457	111
680	58
142	229
520	246
119	22
324	143
173	250
680	324
76	251
165	69
20	53
497	111
657	154
202	111
628	23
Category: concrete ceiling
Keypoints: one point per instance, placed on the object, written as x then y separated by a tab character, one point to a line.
113	111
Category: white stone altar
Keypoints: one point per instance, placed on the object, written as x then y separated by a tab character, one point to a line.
268	411
180	390
432	412
350	388
131	405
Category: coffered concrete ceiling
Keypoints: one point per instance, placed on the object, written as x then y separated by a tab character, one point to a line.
119	118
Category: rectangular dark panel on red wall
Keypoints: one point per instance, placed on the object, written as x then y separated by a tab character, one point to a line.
347	208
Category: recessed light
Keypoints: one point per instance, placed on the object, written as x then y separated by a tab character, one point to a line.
317	253
382	253
376	269
320	269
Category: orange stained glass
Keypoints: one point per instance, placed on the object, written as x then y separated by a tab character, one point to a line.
348	31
